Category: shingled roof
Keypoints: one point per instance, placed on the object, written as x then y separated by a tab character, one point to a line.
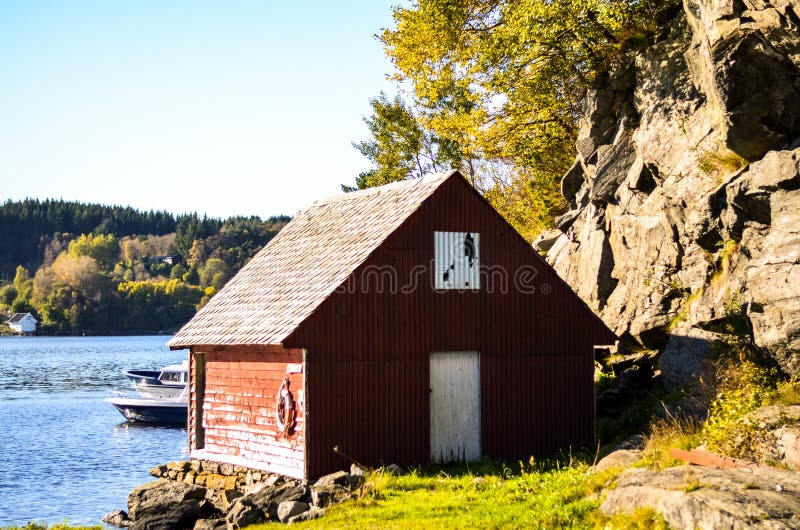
304	264
18	317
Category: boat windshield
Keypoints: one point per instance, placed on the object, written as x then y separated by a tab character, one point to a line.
171	377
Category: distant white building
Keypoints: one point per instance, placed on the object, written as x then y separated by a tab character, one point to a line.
23	323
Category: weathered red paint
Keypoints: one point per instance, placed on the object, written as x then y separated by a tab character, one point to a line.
367	352
239	408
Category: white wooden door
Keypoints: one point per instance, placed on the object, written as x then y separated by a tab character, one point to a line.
455	427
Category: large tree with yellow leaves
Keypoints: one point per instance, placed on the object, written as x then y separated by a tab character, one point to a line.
501	83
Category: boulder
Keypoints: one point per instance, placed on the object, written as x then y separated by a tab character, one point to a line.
118	518
325	494
690	497
394	469
289	509
223	500
620	458
268	499
165	497
210	524
355	481
181	465
167	521
242	514
205	466
159	471
313	513
634	375
220	482
340	478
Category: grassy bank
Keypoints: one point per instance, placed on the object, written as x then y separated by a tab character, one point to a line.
561	493
567	492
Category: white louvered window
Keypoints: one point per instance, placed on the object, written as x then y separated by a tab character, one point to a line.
456	260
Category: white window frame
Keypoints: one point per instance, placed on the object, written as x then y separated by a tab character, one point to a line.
455	267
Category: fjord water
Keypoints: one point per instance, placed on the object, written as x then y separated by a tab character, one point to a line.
64	453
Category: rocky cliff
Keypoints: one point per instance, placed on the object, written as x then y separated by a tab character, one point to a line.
685	194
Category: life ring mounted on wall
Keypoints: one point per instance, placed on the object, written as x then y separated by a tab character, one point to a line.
284	410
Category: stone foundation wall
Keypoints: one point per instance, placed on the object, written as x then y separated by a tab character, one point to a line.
213	475
205	495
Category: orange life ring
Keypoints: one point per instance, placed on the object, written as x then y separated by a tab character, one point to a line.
284	409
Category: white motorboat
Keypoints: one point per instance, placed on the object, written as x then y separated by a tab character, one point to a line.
152	410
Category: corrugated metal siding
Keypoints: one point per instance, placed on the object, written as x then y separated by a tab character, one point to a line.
239	409
368	350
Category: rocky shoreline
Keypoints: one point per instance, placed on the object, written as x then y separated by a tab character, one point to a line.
203	495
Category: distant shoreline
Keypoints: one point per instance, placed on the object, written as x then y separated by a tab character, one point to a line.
92	333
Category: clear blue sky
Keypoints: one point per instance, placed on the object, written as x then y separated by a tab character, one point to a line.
225	108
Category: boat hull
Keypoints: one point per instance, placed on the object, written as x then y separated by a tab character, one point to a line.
151	411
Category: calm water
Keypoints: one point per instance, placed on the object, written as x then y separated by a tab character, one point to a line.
64	453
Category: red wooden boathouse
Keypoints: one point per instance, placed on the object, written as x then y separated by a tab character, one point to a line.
403	324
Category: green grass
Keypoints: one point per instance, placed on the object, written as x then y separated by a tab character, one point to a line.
722	162
550	494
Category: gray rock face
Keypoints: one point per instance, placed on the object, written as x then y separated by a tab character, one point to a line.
750	81
546	239
773	275
686	357
787	446
702	498
780	444
669	224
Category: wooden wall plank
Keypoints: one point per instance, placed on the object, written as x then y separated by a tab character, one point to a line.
239	407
